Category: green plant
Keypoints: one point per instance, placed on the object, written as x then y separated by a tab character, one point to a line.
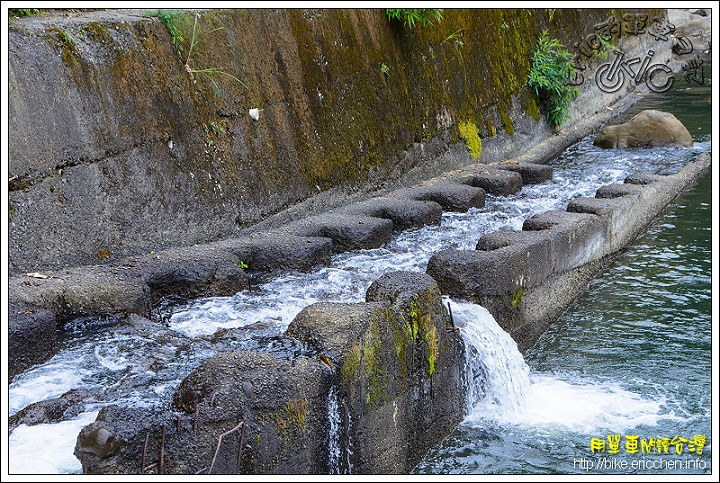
175	21
67	38
551	68
455	37
384	69
408	16
209	72
605	46
22	12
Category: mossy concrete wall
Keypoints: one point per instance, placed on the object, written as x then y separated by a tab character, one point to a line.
116	149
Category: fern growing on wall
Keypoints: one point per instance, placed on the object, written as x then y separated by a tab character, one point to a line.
550	71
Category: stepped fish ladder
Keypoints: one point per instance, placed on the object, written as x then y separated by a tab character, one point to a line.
118	373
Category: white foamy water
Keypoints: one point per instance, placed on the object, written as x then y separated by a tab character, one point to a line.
108	365
50	380
47	449
585	406
501	388
498	377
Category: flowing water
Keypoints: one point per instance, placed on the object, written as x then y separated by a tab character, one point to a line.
629	361
632	355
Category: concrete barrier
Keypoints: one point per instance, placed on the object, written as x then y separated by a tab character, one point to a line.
526	278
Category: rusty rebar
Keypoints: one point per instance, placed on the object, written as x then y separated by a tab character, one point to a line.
142	462
161	471
220	438
240	449
197	412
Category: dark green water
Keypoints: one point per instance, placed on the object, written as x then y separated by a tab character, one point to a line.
631	357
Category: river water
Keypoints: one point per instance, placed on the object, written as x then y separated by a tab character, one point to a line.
630	360
632	356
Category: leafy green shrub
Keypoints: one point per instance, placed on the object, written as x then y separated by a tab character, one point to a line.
408	16
551	69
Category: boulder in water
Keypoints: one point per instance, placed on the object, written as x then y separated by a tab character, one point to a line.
649	128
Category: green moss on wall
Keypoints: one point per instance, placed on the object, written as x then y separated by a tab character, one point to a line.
296	410
533	109
469	132
506	121
351	363
63	40
420	314
97	32
490	128
376	383
517	298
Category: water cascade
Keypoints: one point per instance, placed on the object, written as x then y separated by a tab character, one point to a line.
503	390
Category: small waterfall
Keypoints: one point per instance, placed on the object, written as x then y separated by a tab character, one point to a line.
338	444
497	376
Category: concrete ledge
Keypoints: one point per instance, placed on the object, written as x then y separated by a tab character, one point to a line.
264	252
31	337
404	213
508	261
449	195
617	190
348	232
90	291
526	278
531	173
190	272
501	182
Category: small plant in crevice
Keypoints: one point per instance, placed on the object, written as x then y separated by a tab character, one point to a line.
455	38
216	130
605	46
549	74
178	23
175	21
409	16
210	72
457	42
384	69
67	38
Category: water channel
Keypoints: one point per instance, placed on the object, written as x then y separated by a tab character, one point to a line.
632	356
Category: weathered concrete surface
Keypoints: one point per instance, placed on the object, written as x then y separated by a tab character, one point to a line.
526	278
115	151
67	406
398	370
138	284
389	365
31	337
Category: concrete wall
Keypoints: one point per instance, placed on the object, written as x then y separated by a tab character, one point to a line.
115	150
